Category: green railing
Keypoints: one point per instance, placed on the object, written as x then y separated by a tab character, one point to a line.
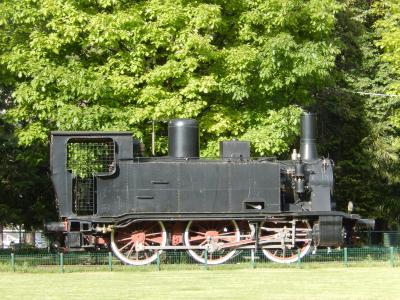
174	260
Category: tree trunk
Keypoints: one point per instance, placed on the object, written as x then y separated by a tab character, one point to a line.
30	238
1	236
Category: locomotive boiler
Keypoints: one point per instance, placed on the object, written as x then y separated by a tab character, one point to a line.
108	194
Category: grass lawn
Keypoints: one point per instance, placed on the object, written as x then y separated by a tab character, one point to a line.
330	283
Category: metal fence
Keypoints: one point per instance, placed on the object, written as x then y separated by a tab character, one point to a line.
42	261
379	238
18	239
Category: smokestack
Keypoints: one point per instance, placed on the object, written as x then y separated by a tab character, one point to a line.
308	147
183	138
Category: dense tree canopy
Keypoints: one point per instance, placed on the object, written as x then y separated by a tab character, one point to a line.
244	68
369	147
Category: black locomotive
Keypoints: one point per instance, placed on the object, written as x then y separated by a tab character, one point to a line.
109	194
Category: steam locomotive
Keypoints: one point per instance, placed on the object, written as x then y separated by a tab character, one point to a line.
109	194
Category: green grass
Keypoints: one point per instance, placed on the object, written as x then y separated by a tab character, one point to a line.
261	283
34	265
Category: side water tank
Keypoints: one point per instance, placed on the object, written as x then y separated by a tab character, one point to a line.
183	138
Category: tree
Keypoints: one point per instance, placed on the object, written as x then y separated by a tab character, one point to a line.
26	196
385	138
242	68
356	106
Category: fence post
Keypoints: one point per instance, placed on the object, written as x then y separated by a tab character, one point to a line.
298	258
110	267
369	237
392	257
13	262
253	260
206	259
346	259
158	261
61	262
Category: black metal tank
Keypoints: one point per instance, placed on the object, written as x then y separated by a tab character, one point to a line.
183	138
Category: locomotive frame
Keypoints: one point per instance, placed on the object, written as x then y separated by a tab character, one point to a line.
109	195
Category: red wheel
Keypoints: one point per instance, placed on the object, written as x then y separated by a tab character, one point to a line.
215	236
280	240
128	244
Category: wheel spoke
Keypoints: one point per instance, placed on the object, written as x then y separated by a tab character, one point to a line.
197	238
125	241
212	235
126	245
279	240
198	232
226	233
203	243
228	238
153	234
157	240
130	251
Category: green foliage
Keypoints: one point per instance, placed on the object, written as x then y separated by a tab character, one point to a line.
385	137
366	152
244	68
86	159
388	30
240	67
26	195
386	140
